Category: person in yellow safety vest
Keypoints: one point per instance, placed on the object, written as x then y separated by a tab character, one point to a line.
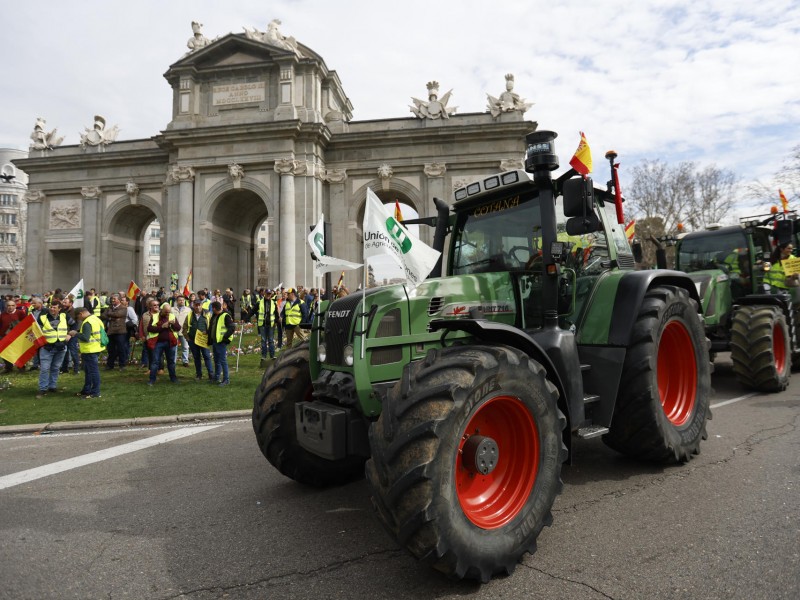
103	301
90	348
220	331
294	312
204	301
198	322
56	328
162	339
246	305
267	312
776	276
91	302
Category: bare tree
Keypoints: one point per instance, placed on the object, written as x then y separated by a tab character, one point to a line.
786	179
680	194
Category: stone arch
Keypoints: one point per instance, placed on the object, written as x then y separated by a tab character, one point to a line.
407	193
124	224
231	216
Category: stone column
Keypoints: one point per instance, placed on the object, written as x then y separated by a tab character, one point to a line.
285	167
179	214
339	246
436	189
34	240
91	258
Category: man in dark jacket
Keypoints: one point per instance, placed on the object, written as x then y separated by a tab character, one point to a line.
115	316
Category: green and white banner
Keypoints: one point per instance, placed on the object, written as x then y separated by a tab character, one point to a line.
326	264
384	235
78	292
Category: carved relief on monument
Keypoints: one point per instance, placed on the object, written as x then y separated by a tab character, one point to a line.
65	214
91	191
334	175
178	173
511	164
385	172
435	169
290	166
34	196
99	136
131	189
235	171
434	108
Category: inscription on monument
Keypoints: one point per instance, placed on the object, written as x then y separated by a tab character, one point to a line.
238	93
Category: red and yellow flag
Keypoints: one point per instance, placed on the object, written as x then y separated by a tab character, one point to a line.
133	290
784	201
630	230
341	280
22	342
398	216
582	160
187	289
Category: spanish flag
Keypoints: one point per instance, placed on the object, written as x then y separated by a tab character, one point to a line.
398	216
187	289
784	201
630	230
22	342
341	280
133	290
582	160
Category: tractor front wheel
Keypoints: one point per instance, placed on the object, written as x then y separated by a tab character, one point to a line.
761	348
285	383
466	459
663	401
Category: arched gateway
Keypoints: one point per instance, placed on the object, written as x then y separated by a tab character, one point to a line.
261	132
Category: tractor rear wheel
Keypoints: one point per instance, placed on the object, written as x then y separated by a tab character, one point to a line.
466	459
663	402
761	348
285	383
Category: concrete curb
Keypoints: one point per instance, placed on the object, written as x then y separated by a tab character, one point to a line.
136	422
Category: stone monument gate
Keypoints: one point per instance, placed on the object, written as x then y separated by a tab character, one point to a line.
261	129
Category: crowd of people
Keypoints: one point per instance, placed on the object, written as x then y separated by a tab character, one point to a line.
170	327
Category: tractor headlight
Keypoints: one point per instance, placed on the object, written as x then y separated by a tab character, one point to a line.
347	353
322	353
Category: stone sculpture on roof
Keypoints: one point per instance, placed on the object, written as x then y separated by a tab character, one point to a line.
508	101
273	37
99	136
198	40
434	108
41	139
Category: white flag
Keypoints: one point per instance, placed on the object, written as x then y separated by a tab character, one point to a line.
77	292
383	234
326	264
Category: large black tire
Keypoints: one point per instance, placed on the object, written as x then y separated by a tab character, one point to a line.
285	383
441	417
663	399
761	348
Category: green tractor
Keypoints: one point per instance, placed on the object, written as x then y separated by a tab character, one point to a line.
462	398
743	314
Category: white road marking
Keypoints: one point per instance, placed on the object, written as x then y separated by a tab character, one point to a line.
8	481
50	434
732	400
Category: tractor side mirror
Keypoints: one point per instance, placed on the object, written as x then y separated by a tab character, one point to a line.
579	206
783	232
638	254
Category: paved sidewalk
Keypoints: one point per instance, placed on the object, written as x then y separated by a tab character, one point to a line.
69	425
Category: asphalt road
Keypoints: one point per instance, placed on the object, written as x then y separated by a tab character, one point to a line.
205	516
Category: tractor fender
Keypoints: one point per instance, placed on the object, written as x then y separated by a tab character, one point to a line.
556	358
630	294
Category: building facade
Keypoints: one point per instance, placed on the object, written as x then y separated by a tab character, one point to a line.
13	214
260	143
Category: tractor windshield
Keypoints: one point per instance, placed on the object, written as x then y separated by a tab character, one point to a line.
502	235
726	250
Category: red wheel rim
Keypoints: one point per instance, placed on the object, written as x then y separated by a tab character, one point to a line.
490	501
779	348
677	373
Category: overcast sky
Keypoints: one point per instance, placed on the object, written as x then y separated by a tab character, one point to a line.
710	81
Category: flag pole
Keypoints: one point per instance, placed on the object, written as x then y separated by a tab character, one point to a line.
364	309
239	351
